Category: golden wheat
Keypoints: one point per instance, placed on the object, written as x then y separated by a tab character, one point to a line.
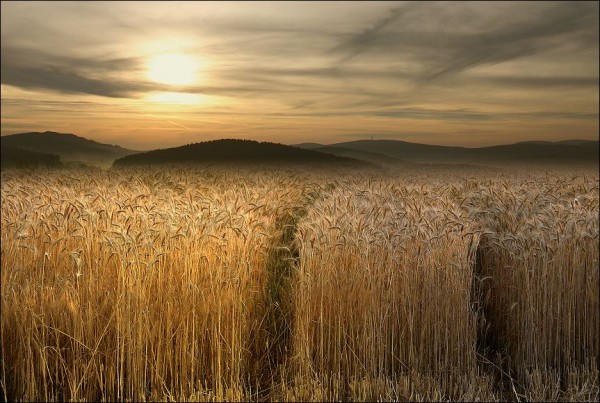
233	284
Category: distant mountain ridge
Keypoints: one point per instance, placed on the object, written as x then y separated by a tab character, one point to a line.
309	146
372	157
67	146
568	142
576	151
35	148
235	151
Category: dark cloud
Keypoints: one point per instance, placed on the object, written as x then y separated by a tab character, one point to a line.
358	43
518	40
34	70
417	34
66	81
540	82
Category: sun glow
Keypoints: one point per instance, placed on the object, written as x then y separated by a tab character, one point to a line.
174	69
177	98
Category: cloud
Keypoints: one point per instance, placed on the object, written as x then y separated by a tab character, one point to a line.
29	69
431	48
448	115
411	43
466	64
540	82
66	81
359	42
517	40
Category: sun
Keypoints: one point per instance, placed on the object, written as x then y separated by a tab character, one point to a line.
173	69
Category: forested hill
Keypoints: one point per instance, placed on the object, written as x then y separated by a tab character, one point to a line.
234	151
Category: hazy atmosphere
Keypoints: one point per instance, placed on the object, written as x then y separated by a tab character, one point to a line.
157	75
299	201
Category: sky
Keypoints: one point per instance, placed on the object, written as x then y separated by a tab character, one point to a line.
163	74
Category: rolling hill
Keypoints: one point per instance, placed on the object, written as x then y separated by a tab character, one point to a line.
68	147
551	152
309	146
235	151
12	157
372	157
568	151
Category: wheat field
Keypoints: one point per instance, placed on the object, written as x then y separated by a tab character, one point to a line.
230	284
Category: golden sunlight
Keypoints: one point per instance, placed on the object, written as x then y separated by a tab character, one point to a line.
173	69
178	98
